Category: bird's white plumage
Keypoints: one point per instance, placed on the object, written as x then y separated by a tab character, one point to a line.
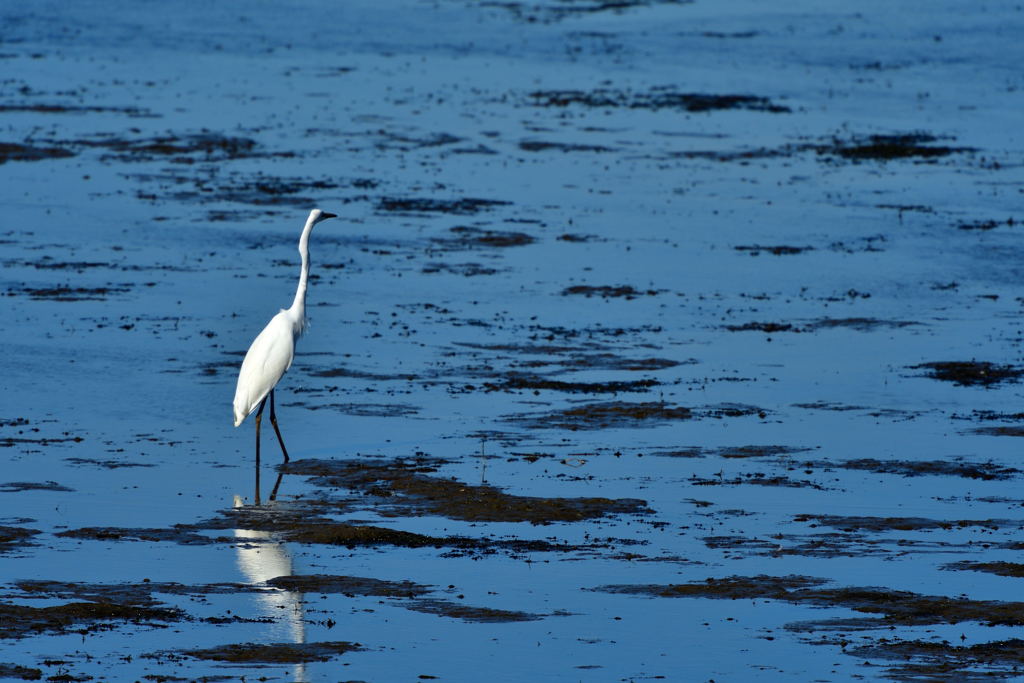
266	361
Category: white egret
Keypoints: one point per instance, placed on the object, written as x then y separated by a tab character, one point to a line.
273	350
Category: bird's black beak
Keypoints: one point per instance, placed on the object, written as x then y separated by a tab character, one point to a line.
324	214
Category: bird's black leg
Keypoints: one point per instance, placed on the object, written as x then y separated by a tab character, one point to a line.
277	485
259	416
273	421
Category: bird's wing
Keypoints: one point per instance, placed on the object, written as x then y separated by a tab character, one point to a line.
265	363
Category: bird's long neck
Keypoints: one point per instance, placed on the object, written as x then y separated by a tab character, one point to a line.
298	308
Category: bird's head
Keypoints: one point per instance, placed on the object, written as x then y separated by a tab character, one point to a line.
316	215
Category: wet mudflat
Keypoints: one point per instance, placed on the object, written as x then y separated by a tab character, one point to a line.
654	340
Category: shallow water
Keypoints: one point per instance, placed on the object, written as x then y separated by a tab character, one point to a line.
653	339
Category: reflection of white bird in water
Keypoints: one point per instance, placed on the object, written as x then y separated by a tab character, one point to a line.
263	559
272	351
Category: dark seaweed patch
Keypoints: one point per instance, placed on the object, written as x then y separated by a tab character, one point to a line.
68	293
235	215
19	621
47	263
887	147
920	660
357	374
118	594
913	146
530	349
663	97
859	245
830	544
721	410
754	451
172	535
998	568
549	146
825	545
19	486
828	405
365	409
11	151
730	34
986	224
14	536
462	206
741	155
353	536
550	332
552	12
608	292
917	208
107	464
521	383
970	373
778	250
463	269
121	593
893	607
392	140
466	237
605	415
349	585
275	653
986	471
623	414
740	452
258	189
186	148
406	487
302	526
757	479
23	672
770	328
558	11
1000	431
855	523
858	324
988	415
134	112
484	615
606	361
563	359
9	441
731	588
